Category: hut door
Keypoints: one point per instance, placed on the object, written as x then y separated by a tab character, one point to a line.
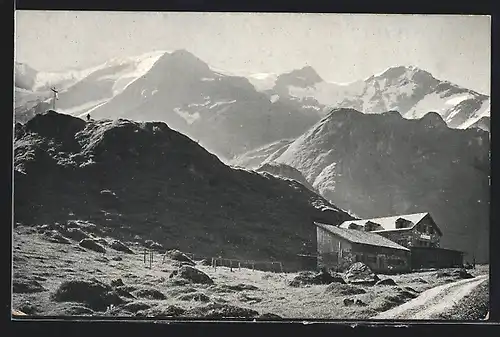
381	262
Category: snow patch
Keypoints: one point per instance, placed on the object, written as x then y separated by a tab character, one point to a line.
274	98
84	108
457	99
189	118
216	104
206	79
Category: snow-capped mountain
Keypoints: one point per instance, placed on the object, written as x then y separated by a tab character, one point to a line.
380	164
408	89
225	113
229	113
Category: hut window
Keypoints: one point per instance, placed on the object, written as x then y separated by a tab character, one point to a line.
431	230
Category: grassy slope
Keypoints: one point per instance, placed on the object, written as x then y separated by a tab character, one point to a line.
163	186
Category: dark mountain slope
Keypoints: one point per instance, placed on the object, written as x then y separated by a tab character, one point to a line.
146	179
380	165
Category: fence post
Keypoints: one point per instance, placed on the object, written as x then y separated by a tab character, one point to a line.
281	267
253	266
144	255
239	265
150	259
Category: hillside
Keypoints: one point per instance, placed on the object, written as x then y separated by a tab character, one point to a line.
377	165
254	158
145	179
483	123
285	171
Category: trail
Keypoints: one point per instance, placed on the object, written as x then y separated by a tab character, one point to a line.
433	301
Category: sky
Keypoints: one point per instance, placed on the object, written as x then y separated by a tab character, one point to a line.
341	47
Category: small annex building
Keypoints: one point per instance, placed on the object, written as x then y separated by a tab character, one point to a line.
388	244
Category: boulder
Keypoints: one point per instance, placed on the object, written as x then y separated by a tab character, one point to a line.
360	303
321	277
136	306
117	258
179	256
339	289
56	237
76	234
192	274
150	293
360	273
386	282
26	286
153	245
348	301
92	245
120	246
205	262
117	282
95	294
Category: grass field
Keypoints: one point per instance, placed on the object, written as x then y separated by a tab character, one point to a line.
40	266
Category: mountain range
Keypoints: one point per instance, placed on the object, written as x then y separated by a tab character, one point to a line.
230	114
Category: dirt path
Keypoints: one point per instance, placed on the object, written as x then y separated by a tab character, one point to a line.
433	301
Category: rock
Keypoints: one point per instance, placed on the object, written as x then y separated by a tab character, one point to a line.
386	282
348	301
27	286
390	300
216	310
241	287
196	296
420	280
360	303
119	246
76	234
136	306
153	245
101	259
125	291
360	273
116	258
102	241
269	316
192	274
340	289
321	277
463	274
97	295
150	293
205	262
249	299
117	282
92	245
56	237
177	255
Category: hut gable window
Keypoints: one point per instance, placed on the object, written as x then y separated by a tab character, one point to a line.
371	226
403	223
